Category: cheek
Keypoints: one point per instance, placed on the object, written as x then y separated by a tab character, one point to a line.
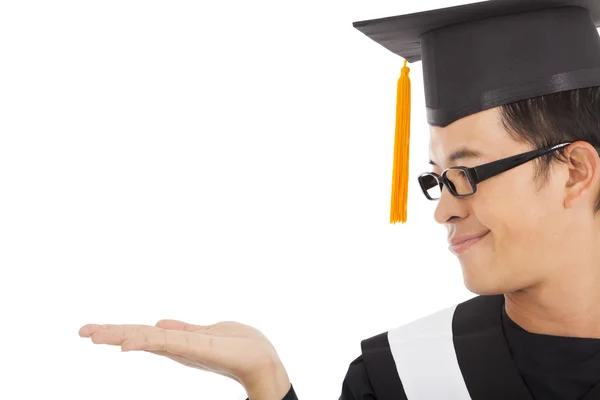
512	216
520	217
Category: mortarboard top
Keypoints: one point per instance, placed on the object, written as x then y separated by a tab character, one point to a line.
482	55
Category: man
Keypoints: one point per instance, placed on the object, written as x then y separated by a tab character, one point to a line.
513	100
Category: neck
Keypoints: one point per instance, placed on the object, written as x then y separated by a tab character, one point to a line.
566	300
567	305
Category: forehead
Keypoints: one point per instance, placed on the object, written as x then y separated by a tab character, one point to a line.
482	132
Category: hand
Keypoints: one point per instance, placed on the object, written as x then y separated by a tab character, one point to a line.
228	348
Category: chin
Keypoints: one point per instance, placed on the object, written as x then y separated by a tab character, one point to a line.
493	278
482	281
483	288
482	272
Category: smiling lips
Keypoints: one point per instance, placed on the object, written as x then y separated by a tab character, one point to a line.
460	243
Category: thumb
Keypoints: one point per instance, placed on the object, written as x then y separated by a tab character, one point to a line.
180	325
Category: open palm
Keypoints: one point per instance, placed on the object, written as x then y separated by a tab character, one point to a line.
228	348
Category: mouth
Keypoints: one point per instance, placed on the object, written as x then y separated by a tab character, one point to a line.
460	248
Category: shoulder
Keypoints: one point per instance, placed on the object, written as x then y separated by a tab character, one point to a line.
441	321
380	352
433	322
356	385
423	344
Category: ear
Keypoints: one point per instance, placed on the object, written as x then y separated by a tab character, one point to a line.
584	170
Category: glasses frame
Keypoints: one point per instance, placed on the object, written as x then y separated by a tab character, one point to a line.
476	175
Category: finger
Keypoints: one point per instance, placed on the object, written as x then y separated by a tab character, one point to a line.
108	337
223	328
89	329
120	334
173	341
193	345
181	326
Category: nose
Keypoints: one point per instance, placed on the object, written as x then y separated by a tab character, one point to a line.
450	207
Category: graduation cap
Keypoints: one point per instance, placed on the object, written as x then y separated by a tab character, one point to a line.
482	55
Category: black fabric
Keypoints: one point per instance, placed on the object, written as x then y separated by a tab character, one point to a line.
482	353
498	359
291	394
515	365
401	34
554	367
356	385
478	56
381	368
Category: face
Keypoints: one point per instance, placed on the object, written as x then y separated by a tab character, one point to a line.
525	225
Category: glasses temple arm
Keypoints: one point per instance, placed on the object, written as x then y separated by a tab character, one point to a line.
494	168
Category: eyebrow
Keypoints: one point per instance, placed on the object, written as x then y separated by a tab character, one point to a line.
463	152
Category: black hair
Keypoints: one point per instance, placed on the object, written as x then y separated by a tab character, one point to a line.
553	119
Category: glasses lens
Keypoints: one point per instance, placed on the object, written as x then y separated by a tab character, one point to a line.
431	186
459	181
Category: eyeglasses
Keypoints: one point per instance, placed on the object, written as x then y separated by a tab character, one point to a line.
462	181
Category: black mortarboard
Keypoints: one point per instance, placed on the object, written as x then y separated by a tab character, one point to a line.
482	55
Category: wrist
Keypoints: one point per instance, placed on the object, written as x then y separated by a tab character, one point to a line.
272	384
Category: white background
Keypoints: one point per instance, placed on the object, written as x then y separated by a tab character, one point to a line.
204	161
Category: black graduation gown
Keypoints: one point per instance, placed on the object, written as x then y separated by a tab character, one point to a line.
553	367
484	360
495	359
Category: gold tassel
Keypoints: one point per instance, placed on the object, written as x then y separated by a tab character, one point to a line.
401	146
